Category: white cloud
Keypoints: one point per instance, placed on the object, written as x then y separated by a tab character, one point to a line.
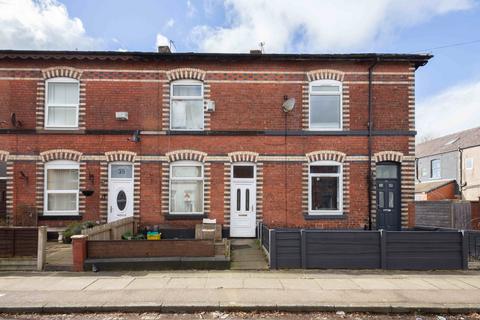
41	24
452	110
312	25
170	22
191	9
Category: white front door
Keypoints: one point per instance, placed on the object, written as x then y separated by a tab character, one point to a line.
243	196
120	191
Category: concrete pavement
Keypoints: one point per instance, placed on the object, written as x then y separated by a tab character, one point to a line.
185	291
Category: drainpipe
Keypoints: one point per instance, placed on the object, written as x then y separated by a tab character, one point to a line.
460	173
370	131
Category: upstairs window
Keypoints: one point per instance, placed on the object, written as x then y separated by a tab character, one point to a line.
61	188
325	188
469	164
186	188
62	100
436	169
325	105
186	108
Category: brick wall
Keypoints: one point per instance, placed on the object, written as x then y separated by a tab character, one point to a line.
248	96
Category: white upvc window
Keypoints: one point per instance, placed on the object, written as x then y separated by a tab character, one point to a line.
325	188
436	169
61	103
325	105
61	188
186	187
186	105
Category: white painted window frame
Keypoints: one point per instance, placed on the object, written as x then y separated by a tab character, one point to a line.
439	167
60	164
202	178
48	105
325	82
340	190
202	98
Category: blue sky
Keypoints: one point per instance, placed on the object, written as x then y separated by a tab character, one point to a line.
449	85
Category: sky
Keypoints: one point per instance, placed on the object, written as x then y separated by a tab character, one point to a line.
447	89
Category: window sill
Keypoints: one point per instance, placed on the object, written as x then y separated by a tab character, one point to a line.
185	216
324	216
60	217
61	131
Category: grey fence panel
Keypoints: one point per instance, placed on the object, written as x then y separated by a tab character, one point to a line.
423	250
288	249
265	237
342	250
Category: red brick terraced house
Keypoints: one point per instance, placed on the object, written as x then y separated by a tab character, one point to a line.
172	138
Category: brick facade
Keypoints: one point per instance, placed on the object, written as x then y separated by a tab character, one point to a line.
247	126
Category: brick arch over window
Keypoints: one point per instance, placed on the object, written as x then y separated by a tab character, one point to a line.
5	157
55	72
326	155
394	156
60	154
243	156
186	73
127	156
188	155
325	74
61	71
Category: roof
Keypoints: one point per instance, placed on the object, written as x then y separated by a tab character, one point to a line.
417	59
452	142
425	187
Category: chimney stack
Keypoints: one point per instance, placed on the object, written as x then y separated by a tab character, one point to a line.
164	49
256	51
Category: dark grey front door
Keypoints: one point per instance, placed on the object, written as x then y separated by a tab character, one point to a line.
388	197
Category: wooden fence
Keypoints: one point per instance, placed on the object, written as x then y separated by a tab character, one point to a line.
18	242
443	214
350	249
111	231
23	242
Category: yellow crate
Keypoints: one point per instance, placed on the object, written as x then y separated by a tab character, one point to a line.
154	236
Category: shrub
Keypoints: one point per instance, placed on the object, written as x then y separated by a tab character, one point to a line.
76	228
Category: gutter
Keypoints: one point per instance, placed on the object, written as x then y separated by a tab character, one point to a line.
370	133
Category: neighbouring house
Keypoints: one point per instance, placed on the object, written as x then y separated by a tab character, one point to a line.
172	138
455	157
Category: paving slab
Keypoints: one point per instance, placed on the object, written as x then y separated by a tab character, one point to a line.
337	284
262	283
147	283
185	283
220	283
247	291
109	284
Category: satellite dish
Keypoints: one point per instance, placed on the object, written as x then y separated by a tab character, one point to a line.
288	105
